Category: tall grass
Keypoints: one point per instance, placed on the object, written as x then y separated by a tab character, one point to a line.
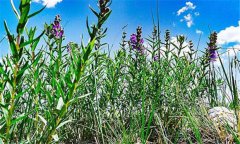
77	93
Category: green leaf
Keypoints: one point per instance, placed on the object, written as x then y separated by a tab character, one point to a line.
9	63
49	97
89	50
4	73
11	40
20	118
88	28
60	92
63	123
31	41
105	17
43	119
21	93
24	9
15	10
5	112
80	97
35	62
37	89
37	12
194	126
31	33
94	11
23	69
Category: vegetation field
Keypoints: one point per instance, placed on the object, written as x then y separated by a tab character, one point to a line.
151	90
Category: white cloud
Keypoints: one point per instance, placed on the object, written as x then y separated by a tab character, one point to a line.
196	13
199	31
229	34
189	5
233	51
49	3
189	19
189	23
182	10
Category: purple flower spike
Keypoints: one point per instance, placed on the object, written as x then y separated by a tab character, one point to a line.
213	55
57	30
212	47
155	58
133	38
134	42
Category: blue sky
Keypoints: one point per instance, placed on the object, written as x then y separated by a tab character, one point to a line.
188	17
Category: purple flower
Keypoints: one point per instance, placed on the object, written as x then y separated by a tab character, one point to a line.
134	42
212	47
57	30
133	38
213	54
155	58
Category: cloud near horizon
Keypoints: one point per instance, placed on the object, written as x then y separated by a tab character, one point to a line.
230	34
48	3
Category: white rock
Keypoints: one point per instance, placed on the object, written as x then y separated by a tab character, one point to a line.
222	115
